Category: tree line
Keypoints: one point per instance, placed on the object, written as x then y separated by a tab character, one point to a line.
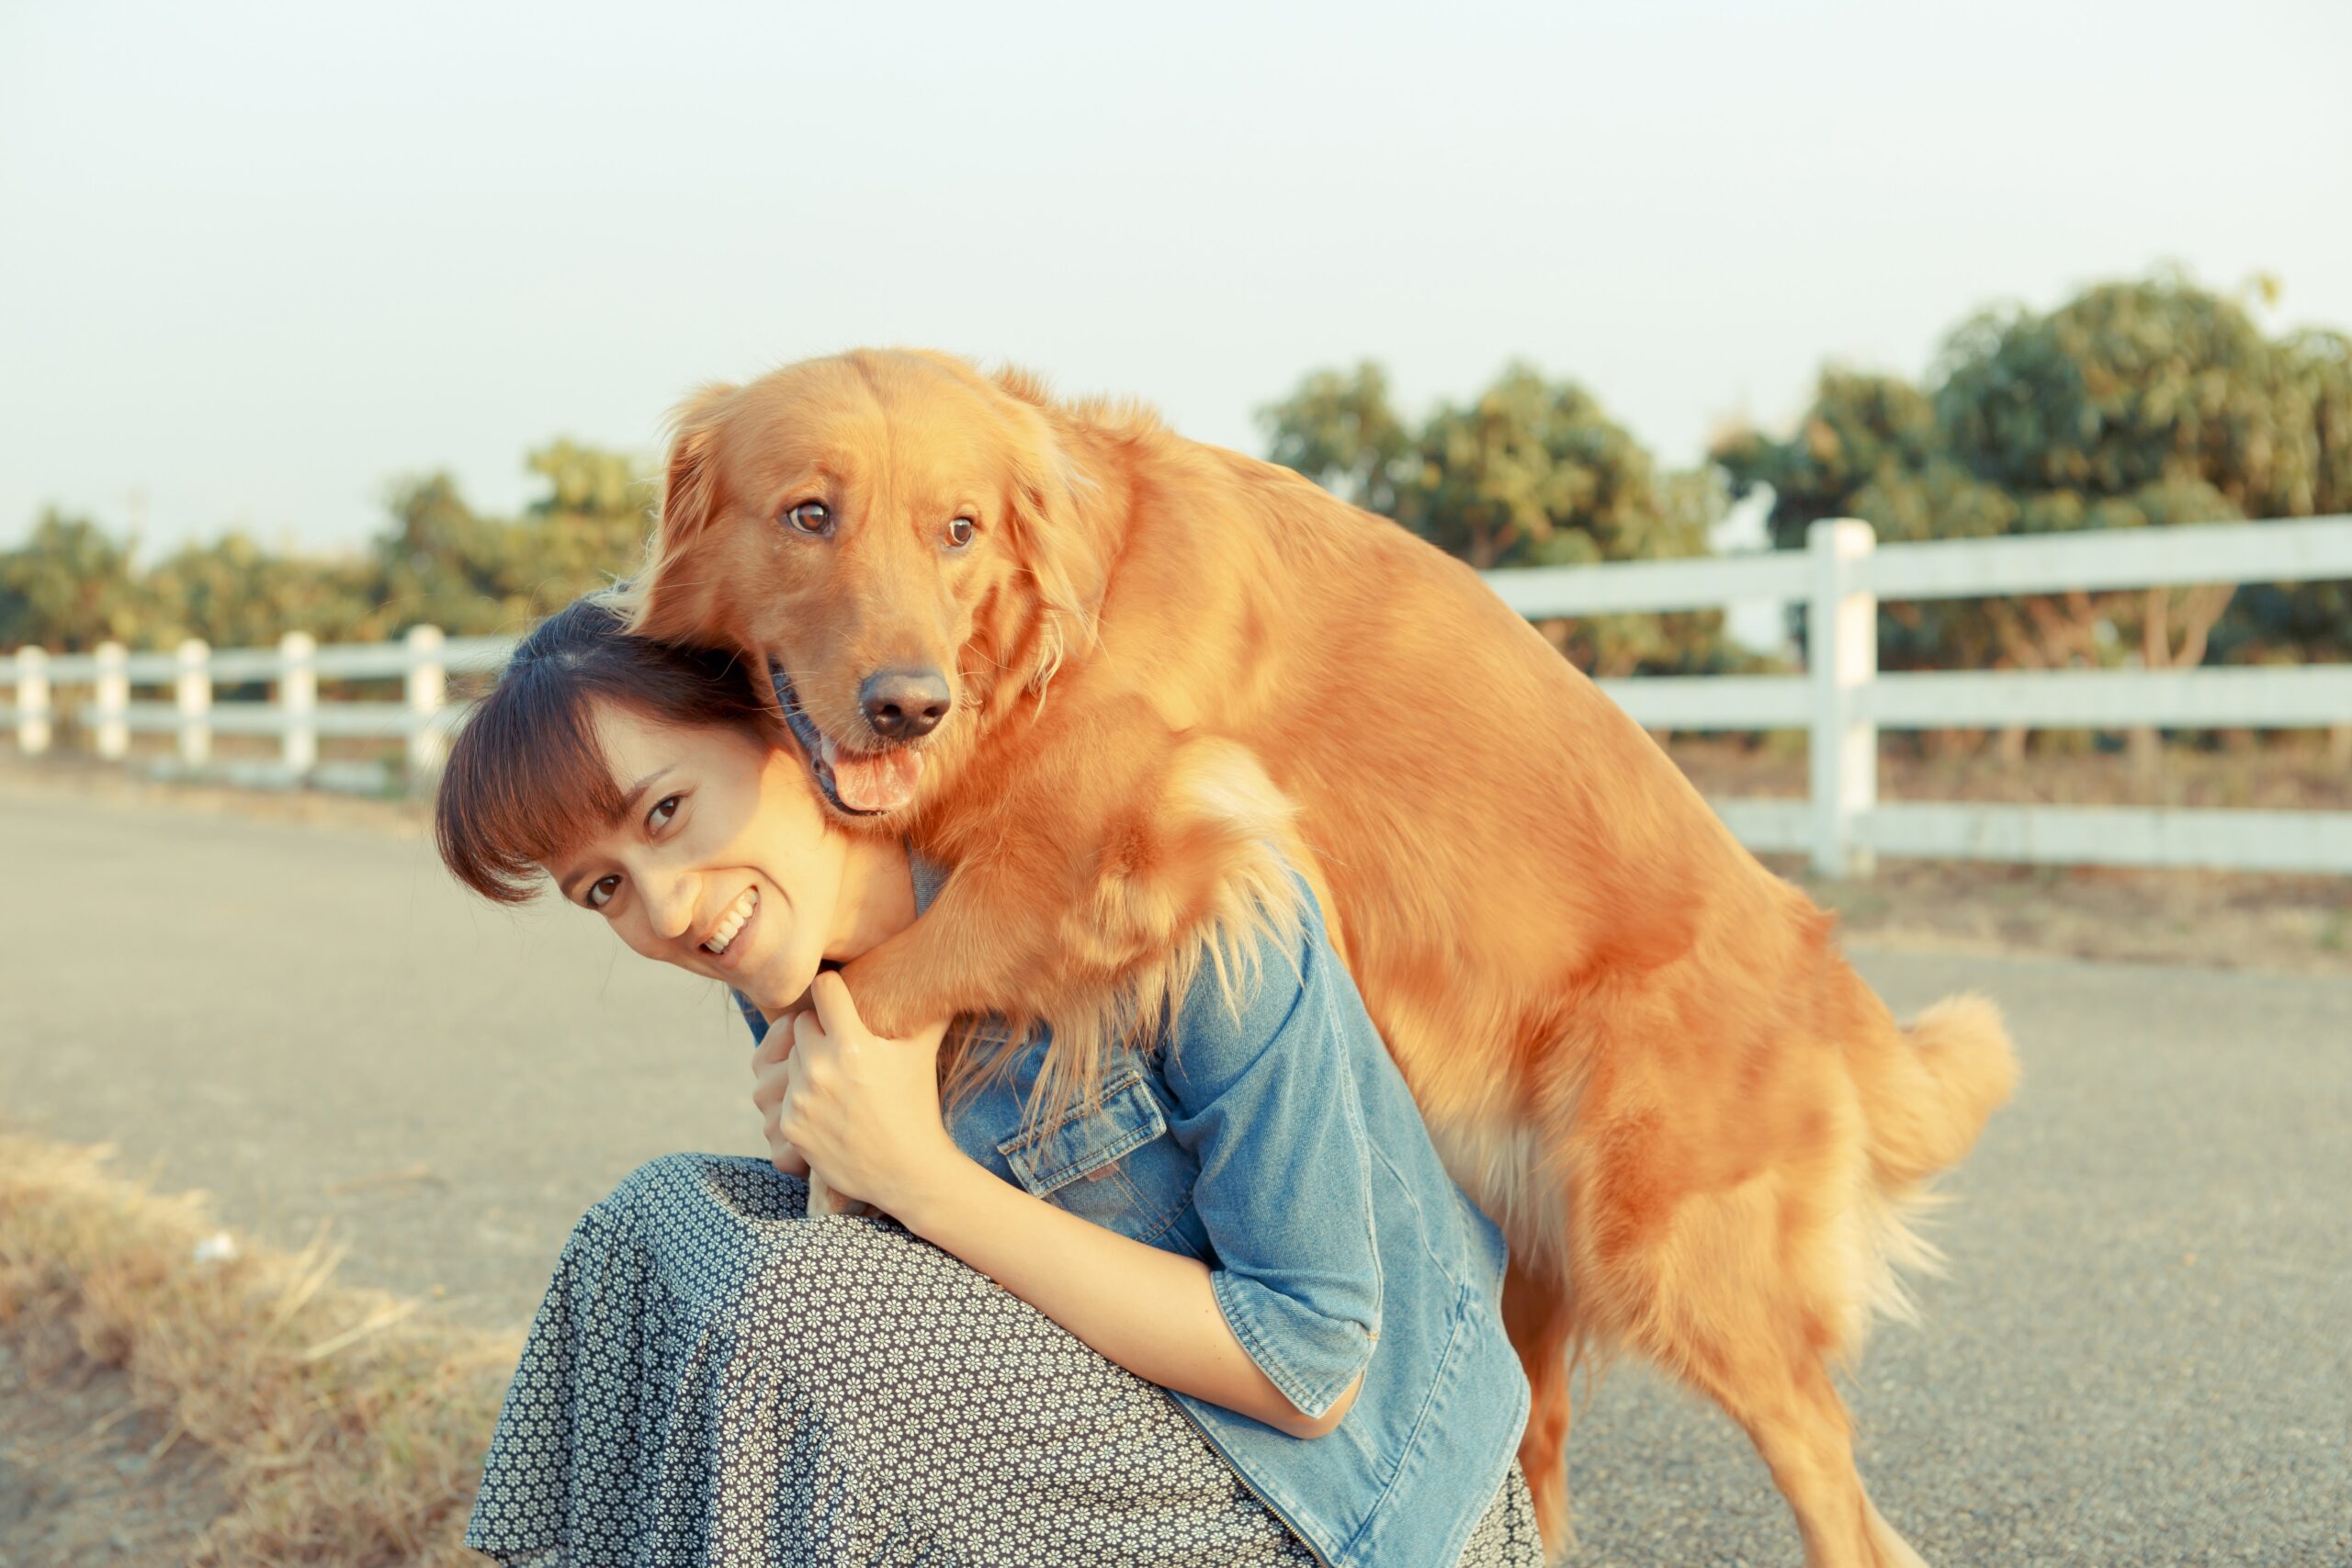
436	562
2142	403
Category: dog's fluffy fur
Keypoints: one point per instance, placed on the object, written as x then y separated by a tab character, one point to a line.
1638	1049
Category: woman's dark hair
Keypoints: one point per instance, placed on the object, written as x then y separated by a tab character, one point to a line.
527	781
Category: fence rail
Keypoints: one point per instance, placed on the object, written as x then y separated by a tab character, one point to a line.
1842	700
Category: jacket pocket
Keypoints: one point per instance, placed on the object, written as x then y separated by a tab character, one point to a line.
1048	1158
1114	1165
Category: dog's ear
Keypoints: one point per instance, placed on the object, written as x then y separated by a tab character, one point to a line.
690	488
1062	532
669	599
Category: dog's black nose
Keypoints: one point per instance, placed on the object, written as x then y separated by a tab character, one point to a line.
904	704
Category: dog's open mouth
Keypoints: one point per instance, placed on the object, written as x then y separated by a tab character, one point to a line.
858	783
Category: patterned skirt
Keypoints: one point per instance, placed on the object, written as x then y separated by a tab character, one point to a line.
715	1378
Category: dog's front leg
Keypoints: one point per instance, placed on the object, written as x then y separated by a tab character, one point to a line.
1082	881
979	948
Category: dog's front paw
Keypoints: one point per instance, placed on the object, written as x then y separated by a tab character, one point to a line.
892	1006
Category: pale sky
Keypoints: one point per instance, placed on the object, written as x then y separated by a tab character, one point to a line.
256	261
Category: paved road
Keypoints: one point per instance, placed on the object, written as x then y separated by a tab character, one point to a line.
2140	1354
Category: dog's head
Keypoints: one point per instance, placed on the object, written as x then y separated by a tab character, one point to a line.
899	541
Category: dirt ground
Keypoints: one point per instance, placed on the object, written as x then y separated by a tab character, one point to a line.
87	1473
175	1393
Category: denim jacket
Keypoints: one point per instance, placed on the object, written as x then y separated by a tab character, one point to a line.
1283	1150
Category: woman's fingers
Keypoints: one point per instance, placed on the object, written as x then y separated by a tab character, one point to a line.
792	1099
808	1031
784	1156
767	1090
771	1082
835	1009
768	1065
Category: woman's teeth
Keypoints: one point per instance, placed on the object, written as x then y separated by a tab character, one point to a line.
736	916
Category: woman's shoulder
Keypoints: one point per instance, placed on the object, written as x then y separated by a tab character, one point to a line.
1262	974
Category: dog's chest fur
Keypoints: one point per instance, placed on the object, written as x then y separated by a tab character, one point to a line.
1503	1164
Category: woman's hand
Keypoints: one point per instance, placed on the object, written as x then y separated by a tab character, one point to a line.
769	1075
863	1110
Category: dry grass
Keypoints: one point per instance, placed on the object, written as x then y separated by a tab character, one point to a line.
2297	773
2293	925
348	1429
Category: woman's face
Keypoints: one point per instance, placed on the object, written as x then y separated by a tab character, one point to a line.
721	862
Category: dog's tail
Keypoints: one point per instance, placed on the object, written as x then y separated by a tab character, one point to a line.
1927	1090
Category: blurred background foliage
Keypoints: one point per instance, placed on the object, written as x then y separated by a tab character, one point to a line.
437	562
2141	403
1529	473
2136	404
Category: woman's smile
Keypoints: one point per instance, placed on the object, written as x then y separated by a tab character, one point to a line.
730	940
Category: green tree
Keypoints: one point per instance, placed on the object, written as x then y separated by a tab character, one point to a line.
1339	428
2147	403
234	593
446	565
1531	472
68	588
438	562
2305	621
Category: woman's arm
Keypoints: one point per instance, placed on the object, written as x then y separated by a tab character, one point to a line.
866	1111
1149	1310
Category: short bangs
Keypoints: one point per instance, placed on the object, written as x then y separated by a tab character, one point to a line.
527	783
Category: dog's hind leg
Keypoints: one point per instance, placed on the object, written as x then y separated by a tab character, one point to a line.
1893	1549
1538	1312
1747	1292
1791	1412
1777	1385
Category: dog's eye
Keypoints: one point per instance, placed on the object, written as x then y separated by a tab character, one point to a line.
812	517
959	533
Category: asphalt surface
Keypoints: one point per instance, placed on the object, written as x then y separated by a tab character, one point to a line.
2140	1352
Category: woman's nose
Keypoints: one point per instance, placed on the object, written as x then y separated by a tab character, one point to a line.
670	905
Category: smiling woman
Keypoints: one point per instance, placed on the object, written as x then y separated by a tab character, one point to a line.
1136	1326
532	781
652	785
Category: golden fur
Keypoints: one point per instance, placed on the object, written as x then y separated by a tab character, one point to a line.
1641	1050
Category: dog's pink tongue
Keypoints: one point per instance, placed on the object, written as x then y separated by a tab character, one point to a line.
880	781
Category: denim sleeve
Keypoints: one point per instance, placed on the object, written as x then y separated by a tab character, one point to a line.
1265	1101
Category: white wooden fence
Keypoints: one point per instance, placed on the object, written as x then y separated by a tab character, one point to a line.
422	662
1841	701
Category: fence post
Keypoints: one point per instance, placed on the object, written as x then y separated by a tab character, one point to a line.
32	701
1841	653
112	690
428	688
298	699
193	692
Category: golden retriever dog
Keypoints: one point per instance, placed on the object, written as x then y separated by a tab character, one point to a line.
1089	664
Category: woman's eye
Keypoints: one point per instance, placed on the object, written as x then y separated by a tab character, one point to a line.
663	809
599	892
960	532
812	517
